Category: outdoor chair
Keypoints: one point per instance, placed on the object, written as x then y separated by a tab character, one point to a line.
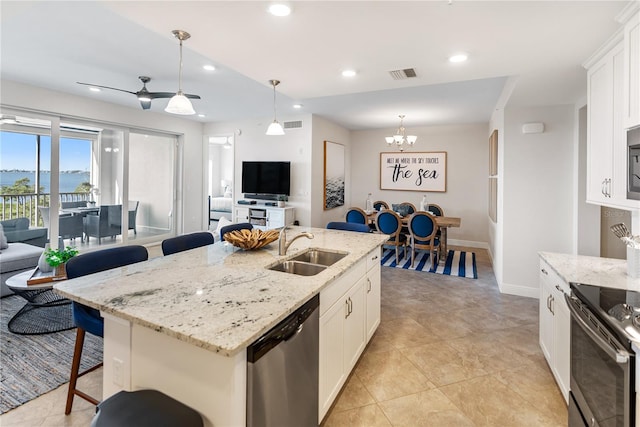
106	223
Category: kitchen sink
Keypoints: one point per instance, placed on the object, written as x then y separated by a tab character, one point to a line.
298	267
320	256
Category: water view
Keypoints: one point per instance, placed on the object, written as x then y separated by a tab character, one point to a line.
69	180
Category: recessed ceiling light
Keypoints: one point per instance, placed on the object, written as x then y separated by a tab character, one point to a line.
458	57
209	67
279	9
94	89
297	106
348	73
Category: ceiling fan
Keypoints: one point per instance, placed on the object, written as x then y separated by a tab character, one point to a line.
143	95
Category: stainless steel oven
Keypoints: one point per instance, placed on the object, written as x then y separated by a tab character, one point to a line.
633	164
602	360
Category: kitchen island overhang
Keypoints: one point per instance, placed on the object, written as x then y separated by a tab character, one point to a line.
181	323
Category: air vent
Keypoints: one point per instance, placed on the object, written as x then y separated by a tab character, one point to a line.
407	73
293	125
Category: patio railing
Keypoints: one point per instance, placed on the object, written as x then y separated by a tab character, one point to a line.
26	205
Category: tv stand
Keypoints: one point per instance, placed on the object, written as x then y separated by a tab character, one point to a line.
264	217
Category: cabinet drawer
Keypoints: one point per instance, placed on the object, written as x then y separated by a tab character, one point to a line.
373	258
552	278
333	292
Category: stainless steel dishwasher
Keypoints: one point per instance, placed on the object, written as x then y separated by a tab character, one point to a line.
282	372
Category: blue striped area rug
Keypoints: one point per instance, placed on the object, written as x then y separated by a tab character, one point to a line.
458	263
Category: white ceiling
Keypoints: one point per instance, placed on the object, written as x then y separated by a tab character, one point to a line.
540	44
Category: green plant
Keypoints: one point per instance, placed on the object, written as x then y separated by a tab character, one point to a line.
56	257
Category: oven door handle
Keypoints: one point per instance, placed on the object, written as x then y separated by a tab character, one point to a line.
620	356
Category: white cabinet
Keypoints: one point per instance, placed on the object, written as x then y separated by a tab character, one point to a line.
264	217
554	326
349	315
632	72
606	154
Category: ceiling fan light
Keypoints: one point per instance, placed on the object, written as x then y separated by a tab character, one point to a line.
180	104
144	98
275	128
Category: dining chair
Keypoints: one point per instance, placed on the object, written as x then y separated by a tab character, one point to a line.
388	222
357	215
233	227
186	242
422	230
349	226
380	204
88	319
437	210
407	207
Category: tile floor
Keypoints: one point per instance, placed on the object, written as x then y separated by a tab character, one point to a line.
448	352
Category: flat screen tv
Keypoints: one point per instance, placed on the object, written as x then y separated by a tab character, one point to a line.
266	177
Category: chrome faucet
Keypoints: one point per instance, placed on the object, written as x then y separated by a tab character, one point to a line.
283	245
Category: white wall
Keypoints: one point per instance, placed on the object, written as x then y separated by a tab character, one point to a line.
251	144
538	193
467	148
496	228
190	198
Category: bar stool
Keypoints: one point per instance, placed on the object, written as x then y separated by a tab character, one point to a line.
144	408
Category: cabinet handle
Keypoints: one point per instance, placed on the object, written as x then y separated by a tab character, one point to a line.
368	285
602	185
551	305
346	307
350	306
559	288
544	271
609	187
374	258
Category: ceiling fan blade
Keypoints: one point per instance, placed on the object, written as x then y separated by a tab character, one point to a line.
145	105
106	87
192	96
154	95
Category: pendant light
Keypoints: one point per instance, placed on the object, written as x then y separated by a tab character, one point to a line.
401	137
180	104
275	128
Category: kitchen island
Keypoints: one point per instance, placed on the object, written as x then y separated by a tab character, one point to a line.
181	323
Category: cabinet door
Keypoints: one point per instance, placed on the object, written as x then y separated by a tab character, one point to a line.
332	372
632	72
372	289
242	214
618	189
354	332
561	343
546	317
275	218
600	130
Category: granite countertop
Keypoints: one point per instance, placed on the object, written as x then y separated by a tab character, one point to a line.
216	297
606	272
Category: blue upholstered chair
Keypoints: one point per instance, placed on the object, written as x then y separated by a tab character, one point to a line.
357	215
388	222
88	319
380	204
437	210
233	227
349	226
186	242
422	229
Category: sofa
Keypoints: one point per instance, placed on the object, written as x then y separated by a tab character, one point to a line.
15	258
17	231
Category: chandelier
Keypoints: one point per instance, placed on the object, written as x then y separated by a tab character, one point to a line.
401	138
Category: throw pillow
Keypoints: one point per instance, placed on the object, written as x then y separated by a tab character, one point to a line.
222	222
3	239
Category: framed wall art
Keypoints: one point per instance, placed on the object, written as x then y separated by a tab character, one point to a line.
334	175
425	171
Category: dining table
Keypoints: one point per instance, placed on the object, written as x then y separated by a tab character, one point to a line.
443	223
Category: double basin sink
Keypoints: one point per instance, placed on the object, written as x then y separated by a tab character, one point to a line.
309	263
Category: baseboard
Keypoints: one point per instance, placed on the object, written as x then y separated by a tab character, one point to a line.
519	290
468	243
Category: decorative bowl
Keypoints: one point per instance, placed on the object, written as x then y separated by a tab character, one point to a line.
251	239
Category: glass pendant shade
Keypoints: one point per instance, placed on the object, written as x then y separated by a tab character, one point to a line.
411	139
180	104
389	139
275	128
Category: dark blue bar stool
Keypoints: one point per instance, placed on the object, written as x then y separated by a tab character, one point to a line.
186	242
144	408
